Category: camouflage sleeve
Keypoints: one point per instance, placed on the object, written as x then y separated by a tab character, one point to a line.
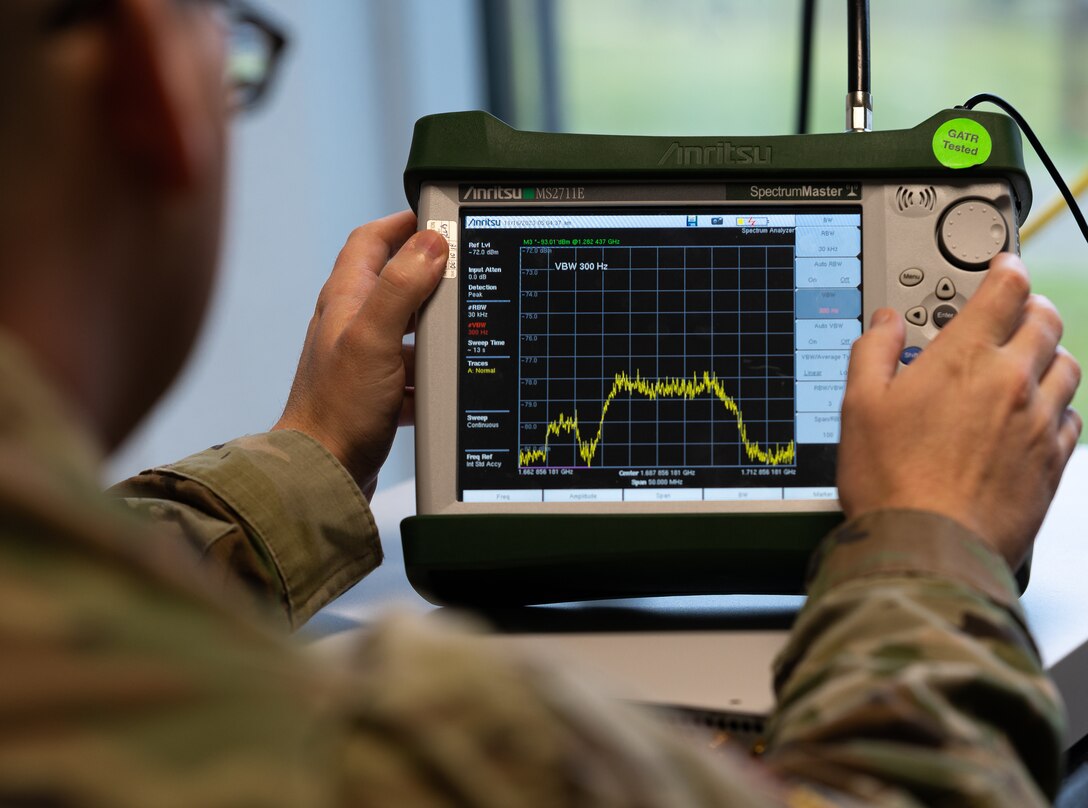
434	718
275	511
125	684
911	676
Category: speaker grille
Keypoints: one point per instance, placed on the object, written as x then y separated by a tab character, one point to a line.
922	199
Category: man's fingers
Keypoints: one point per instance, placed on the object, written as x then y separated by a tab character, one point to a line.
1057	388
994	311
364	255
1060	381
1069	430
372	245
874	357
1038	334
406	281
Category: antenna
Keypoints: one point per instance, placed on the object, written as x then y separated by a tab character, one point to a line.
859	98
808	23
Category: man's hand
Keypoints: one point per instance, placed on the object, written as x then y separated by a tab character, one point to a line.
355	379
978	428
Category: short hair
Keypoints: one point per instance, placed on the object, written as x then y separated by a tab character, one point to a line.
13	42
22	24
66	13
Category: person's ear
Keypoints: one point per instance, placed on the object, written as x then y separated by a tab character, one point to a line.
157	94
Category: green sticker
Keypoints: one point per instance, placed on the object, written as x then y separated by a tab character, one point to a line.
962	143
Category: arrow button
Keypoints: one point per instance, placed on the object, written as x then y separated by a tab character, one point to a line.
918	315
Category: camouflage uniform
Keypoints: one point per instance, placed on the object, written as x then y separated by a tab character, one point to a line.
130	674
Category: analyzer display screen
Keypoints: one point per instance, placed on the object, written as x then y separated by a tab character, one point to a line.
661	354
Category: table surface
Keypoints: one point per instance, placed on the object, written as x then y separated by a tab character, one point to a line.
715	652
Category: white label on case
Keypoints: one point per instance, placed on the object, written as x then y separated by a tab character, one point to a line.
449	232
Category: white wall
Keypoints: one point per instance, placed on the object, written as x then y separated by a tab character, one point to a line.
324	155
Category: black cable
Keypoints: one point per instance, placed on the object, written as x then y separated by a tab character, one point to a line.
1070	200
857	20
808	25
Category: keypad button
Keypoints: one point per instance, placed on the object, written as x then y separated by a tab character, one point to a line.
946	290
912	276
909	354
917	316
942	315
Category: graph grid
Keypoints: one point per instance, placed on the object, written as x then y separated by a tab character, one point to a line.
678	356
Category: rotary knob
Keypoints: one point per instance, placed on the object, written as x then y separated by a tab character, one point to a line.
971	233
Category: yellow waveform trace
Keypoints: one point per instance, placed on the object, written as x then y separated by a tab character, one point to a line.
674	387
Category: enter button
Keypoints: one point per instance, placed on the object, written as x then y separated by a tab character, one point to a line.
942	315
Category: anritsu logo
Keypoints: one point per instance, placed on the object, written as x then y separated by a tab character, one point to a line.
477	222
715	154
489	193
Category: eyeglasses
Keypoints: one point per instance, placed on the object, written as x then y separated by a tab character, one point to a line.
256	47
255	44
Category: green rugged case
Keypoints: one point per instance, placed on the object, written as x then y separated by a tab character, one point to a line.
506	560
476	146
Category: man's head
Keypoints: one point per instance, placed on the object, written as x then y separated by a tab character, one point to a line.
113	117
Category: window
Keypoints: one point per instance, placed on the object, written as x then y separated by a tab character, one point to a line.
690	67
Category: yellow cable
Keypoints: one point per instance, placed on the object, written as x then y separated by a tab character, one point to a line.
1056	206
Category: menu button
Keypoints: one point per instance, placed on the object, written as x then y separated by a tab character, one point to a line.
911	277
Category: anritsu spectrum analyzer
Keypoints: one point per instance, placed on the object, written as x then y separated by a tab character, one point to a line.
629	380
